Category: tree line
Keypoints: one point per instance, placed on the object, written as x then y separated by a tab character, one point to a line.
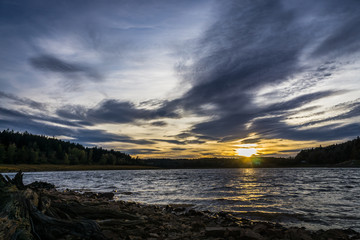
332	154
26	148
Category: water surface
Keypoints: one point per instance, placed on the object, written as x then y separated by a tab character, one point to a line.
313	198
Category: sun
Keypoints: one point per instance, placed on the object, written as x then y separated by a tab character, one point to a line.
246	152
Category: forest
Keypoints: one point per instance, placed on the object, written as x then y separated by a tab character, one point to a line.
333	154
26	148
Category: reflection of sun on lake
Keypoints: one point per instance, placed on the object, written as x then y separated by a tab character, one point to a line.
246	152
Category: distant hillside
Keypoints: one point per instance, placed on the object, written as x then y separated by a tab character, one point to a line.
17	148
333	154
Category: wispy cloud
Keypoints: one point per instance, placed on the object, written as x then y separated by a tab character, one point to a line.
69	69
23	101
114	111
259	44
52	126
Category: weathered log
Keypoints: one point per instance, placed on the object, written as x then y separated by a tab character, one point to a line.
21	217
52	228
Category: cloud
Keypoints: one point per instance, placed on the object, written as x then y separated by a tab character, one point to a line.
114	111
343	36
275	128
158	123
179	149
51	126
177	142
43	118
23	101
349	110
251	141
75	70
171	141
259	44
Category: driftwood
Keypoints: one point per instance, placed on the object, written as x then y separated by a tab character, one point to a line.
31	212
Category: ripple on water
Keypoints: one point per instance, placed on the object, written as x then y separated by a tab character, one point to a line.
323	197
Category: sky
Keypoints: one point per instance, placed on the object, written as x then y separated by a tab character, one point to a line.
182	79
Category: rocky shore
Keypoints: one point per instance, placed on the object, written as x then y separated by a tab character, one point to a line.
39	211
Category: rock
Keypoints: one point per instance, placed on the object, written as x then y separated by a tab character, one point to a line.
233	231
215	231
107	195
261	227
193	212
179	209
196	226
298	234
154	235
39	185
336	234
249	234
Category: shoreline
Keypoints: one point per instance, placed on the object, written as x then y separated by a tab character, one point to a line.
12	168
39	211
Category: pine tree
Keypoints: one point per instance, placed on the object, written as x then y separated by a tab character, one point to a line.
2	153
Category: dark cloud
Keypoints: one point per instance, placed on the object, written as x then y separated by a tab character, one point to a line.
177	142
343	37
158	123
23	101
195	142
44	125
42	118
172	141
178	149
199	137
276	128
113	111
56	65
251	140
184	135
255	44
351	110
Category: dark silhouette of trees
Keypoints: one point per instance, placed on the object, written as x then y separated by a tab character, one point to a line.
26	148
332	154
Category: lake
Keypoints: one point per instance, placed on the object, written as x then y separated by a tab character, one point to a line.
311	197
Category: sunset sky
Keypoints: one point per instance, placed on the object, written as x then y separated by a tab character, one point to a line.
182	78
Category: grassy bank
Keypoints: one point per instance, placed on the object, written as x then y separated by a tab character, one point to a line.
53	167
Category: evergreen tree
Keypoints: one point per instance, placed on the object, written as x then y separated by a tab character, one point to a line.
3	154
11	153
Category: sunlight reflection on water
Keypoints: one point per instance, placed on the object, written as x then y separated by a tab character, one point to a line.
314	198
